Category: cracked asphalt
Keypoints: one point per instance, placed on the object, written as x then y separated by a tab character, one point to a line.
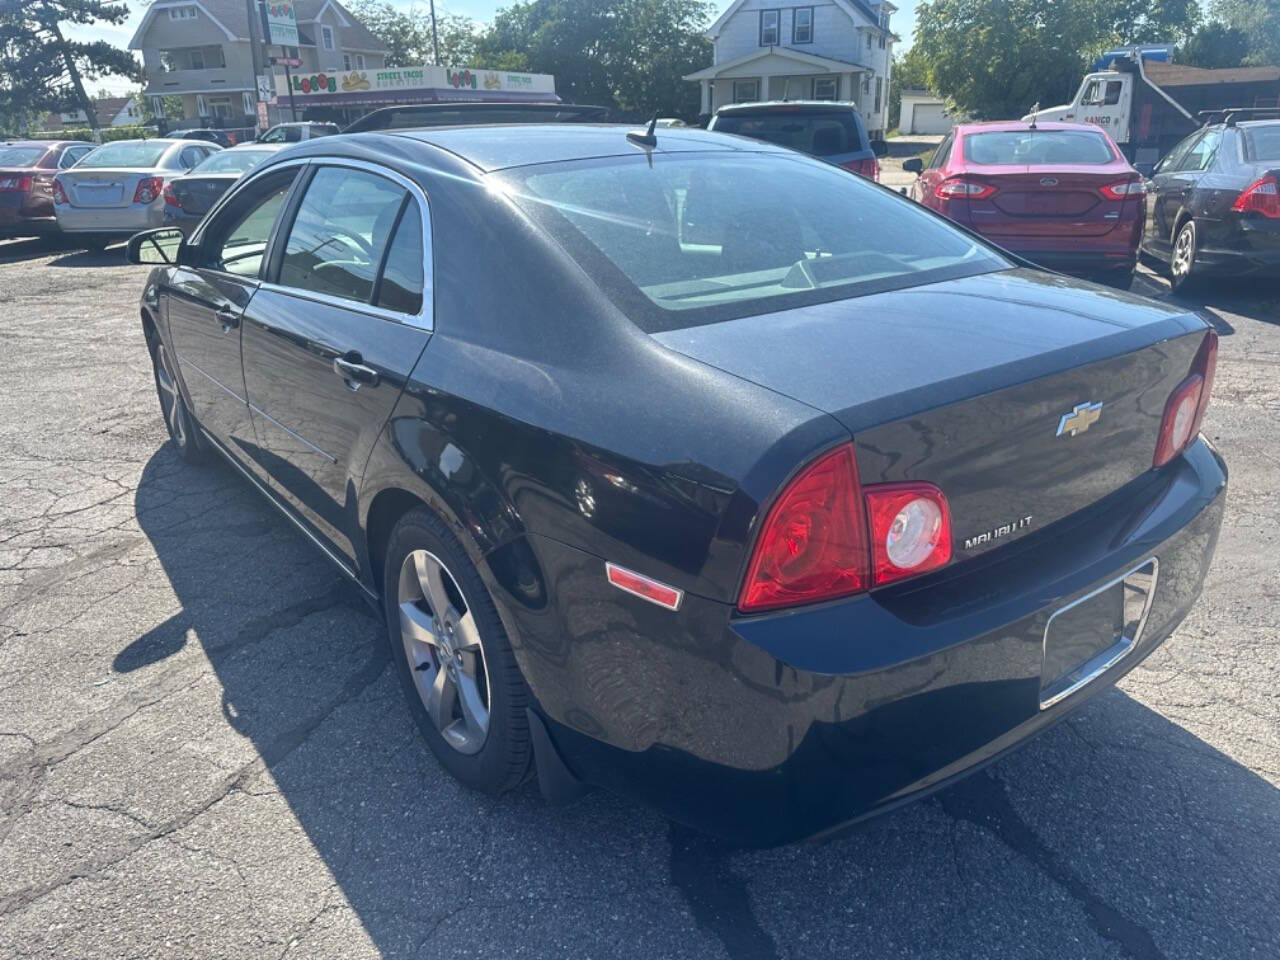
203	752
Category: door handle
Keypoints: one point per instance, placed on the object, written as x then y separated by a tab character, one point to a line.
352	370
228	317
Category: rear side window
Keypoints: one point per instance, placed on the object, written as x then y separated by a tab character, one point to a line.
821	133
1263	143
400	287
1037	148
339	236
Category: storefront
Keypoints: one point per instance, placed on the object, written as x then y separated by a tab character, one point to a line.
348	95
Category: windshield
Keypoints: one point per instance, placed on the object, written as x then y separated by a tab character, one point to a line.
20	156
231	161
126	153
1264	142
821	133
1037	148
683	239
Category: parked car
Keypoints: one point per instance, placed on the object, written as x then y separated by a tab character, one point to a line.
1060	194
413	116
27	169
830	131
774	530
1214	203
189	197
204	133
297	132
118	188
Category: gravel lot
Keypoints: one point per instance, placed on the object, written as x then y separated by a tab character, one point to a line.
203	752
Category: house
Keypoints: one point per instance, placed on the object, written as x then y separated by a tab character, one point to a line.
922	112
111	111
802	50
202	51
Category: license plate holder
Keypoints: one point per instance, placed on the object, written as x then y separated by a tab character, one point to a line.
1091	634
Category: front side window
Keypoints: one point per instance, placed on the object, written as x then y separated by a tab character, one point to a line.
237	241
769	20
1092	94
693	239
1174	156
802	25
340	233
1112	96
1201	156
1037	148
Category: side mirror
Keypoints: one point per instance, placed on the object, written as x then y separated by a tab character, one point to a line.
1146	169
157	247
913	165
879	147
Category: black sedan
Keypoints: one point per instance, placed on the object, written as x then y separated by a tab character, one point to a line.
1213	203
774	524
189	197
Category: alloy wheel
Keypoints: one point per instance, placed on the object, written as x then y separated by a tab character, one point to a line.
445	654
170	399
1184	249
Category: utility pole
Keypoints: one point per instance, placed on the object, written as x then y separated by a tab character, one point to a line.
435	39
87	105
256	50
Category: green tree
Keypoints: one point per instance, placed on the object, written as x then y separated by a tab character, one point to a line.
1259	20
910	72
41	70
1215	45
407	35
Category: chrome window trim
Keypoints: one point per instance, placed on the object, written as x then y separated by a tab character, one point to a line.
424	319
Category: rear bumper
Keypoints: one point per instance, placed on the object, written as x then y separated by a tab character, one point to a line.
770	729
176	217
1240	246
22	217
124	221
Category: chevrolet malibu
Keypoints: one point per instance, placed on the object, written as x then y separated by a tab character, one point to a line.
774	527
118	188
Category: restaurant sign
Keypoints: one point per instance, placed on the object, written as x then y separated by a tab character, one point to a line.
413	78
278	23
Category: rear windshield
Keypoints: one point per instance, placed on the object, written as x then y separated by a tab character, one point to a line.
1264	142
231	161
125	154
822	133
1037	147
683	239
20	156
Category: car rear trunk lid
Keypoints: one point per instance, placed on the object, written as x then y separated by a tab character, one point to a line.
197	194
101	186
1042	201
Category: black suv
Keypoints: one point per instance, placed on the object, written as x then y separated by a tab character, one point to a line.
830	131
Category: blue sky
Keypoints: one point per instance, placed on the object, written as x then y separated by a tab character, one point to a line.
903	23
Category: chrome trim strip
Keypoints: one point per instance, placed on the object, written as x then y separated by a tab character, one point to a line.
212	379
1122	647
341	564
297	436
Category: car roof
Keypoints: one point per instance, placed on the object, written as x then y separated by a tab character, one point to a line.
384	118
45	143
518	145
835	106
1019	126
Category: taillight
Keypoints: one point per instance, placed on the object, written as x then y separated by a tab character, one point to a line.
171	198
1184	410
148	189
1122	189
868	167
828	537
952	189
1262	196
20	183
910	530
59	194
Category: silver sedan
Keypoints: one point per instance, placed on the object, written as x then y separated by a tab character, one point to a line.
117	190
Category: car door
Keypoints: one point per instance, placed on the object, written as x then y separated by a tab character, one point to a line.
331	339
207	296
1157	235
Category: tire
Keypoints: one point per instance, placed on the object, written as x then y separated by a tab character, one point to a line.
183	431
452	651
1182	259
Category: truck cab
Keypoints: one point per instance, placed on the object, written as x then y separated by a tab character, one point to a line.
1105	100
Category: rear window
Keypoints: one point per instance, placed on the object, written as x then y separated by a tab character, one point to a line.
20	156
126	154
231	161
1037	147
682	239
821	133
1264	143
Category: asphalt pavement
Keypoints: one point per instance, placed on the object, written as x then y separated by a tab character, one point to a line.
204	753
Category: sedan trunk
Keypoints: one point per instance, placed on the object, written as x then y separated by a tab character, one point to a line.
197	194
1043	201
984	407
102	186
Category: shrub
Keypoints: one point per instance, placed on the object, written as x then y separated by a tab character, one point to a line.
131	132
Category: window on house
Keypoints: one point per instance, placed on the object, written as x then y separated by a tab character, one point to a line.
879	91
192	58
769	27
882	41
868	36
182	13
825	88
220	106
196	58
359	61
326	37
746	91
346	61
802	25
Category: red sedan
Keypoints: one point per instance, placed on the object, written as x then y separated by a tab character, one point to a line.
1060	194
27	168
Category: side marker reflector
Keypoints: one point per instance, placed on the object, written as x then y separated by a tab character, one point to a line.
644	587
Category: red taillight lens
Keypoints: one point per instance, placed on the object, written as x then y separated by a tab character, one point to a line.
1262	196
1123	189
953	189
868	167
21	183
59	194
1185	408
148	189
171	198
813	544
910	530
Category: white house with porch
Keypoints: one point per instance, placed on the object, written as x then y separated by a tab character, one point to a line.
802	50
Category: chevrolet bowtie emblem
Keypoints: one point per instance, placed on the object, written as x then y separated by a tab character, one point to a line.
1084	416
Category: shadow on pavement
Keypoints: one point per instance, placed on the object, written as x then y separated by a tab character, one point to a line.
1119	822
